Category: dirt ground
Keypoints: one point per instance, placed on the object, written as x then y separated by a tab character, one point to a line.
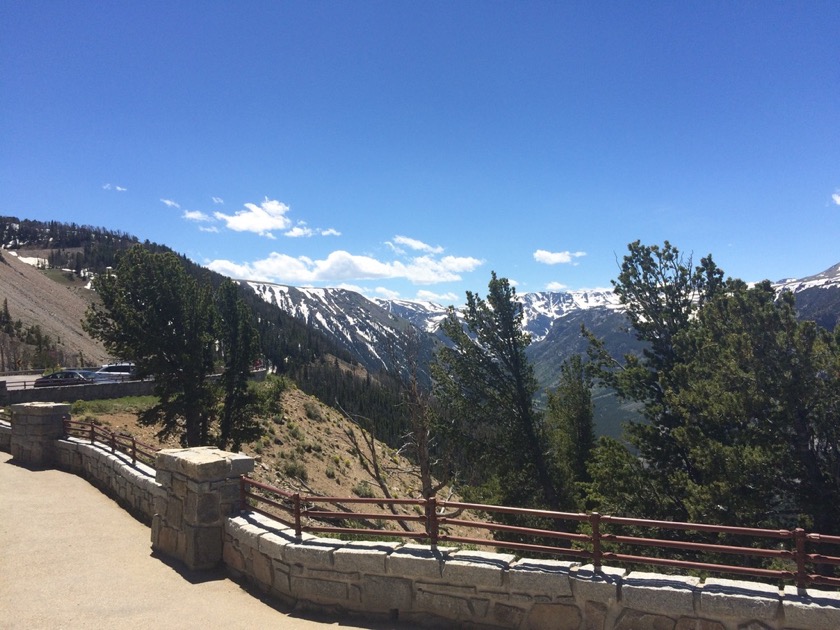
308	449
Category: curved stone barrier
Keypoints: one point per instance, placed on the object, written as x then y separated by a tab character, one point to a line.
452	588
190	500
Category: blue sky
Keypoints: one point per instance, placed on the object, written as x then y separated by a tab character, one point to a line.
409	148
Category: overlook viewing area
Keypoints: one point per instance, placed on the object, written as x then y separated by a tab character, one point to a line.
209	520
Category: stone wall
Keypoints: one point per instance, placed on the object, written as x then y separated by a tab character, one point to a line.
133	486
191	502
452	588
72	393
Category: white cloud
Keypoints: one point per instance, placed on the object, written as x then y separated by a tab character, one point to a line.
416	245
218	201
556	258
556	286
438	298
386	294
836	198
113	187
170	203
299	231
197	215
211	228
260	219
330	232
341	266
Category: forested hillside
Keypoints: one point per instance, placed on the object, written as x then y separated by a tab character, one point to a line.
73	254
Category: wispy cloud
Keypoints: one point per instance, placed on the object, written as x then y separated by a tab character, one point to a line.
218	201
114	187
556	258
197	216
556	286
260	219
342	266
330	232
413	244
836	198
438	298
170	203
299	231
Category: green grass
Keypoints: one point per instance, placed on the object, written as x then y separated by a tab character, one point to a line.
129	404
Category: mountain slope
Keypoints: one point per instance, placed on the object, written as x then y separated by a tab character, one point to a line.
56	307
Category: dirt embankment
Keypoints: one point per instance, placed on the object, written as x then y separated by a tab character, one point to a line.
58	308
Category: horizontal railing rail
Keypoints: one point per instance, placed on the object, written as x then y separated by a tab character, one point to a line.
788	555
116	442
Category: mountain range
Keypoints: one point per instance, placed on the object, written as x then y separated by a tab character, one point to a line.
377	332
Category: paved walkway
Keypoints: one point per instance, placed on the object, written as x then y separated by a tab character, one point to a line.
71	558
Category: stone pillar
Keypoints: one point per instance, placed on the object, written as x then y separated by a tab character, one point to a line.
201	489
35	428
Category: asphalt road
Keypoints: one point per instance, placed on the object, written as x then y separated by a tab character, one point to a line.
71	558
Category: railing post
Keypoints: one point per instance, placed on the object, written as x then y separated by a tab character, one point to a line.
92	434
595	523
133	451
799	553
65	423
113	438
298	527
241	494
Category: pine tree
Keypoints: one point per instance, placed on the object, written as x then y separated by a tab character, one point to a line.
487	387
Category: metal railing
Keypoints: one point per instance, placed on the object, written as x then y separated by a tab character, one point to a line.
786	555
116	442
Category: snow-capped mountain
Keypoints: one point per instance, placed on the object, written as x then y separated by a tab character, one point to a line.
817	296
379	332
375	337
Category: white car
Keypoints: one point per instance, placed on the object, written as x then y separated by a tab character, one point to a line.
116	372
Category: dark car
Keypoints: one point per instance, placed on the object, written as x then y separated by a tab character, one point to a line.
65	377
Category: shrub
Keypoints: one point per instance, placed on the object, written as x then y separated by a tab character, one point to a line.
296	469
363	490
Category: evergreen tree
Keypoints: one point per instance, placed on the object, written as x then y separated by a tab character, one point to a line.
156	315
487	387
239	346
740	399
571	418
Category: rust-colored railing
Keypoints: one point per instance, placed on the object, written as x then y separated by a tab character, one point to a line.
117	442
594	538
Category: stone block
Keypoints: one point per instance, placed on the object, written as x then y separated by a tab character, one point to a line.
379	593
273	544
811	608
663	594
444	605
601	586
739	600
639	620
203	547
690	623
595	616
417	561
360	560
553	617
263	570
541	577
506	616
202	509
480	568
320	591
312	554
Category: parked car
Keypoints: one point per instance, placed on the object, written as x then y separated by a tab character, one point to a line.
116	372
66	377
